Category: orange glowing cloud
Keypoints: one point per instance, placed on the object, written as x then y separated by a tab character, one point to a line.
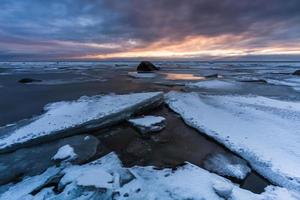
199	46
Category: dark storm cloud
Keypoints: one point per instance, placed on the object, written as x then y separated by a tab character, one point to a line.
40	24
152	20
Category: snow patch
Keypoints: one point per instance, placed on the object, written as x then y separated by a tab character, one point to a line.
65	152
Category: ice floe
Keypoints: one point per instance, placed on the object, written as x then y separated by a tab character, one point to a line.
106	178
227	165
70	117
148	123
264	131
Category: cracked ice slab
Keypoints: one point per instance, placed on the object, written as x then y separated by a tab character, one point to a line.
71	117
264	131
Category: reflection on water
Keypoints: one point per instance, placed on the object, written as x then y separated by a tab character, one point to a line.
177	76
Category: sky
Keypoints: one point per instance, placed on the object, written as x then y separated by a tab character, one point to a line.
35	30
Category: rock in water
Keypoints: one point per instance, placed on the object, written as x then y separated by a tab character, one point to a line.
67	118
212	76
297	72
148	124
28	80
146	66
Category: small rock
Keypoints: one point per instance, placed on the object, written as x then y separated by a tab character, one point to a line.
28	80
146	66
297	72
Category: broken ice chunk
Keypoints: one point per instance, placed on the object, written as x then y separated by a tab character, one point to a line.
72	117
227	165
149	124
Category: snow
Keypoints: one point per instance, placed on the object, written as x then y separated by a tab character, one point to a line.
227	165
147	121
141	75
86	112
212	84
100	180
91	178
264	131
223	188
65	152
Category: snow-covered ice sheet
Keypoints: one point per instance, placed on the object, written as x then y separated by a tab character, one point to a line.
62	118
264	131
227	165
65	152
105	178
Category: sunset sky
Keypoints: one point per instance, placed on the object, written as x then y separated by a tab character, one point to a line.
149	29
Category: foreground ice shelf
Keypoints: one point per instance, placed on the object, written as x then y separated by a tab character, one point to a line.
106	178
264	131
71	117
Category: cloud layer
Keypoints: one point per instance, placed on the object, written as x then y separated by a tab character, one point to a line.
113	29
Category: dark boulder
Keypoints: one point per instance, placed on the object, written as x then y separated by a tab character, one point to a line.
212	76
146	66
297	72
28	80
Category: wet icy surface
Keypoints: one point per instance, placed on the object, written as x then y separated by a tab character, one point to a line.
65	81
